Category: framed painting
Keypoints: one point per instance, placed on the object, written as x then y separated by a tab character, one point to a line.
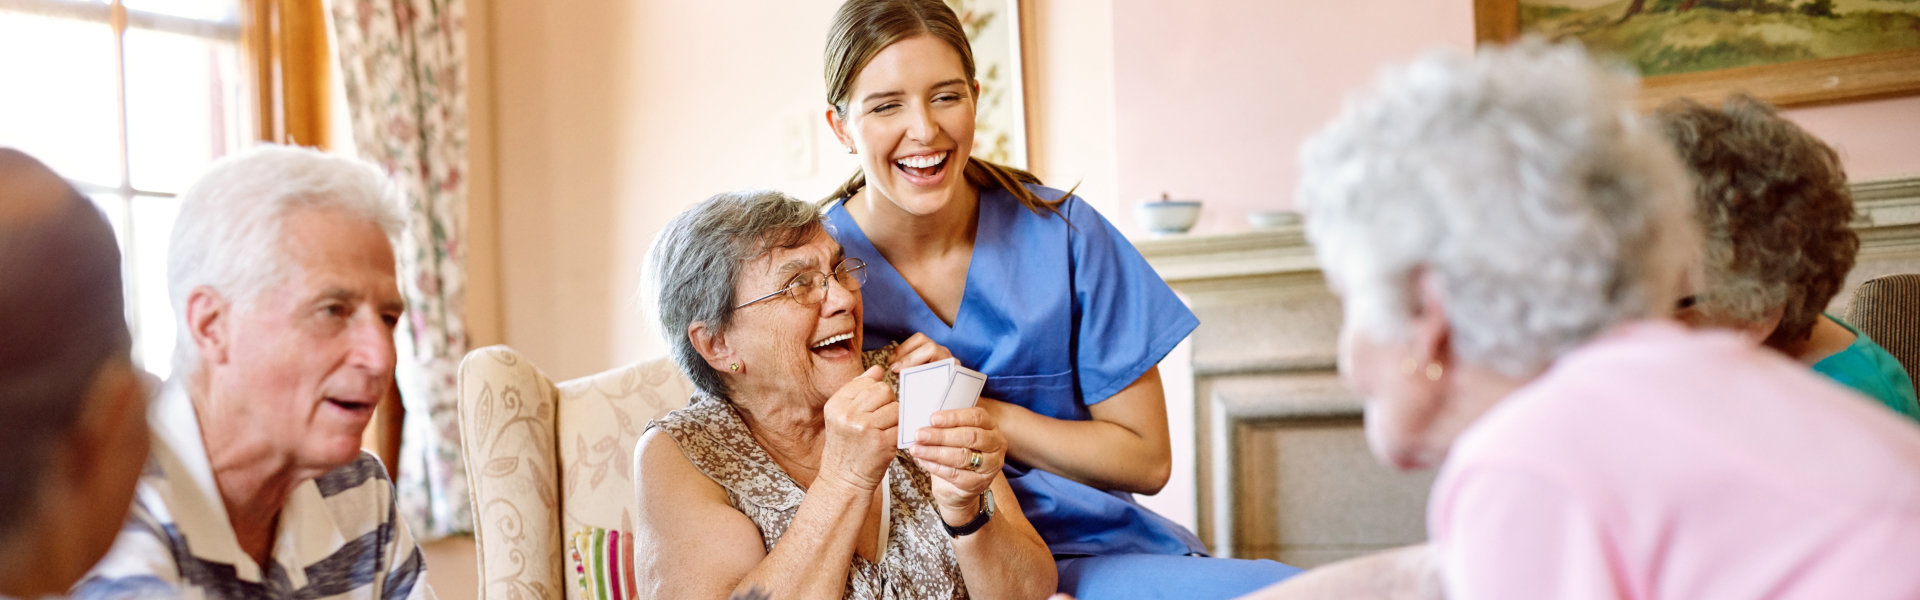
1000	125
1787	52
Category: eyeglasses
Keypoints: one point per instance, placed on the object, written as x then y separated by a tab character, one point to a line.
810	288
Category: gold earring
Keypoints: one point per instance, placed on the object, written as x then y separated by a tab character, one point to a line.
735	367
1434	370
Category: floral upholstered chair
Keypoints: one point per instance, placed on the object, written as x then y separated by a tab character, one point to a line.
550	467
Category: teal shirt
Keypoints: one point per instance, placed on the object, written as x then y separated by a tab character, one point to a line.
1869	369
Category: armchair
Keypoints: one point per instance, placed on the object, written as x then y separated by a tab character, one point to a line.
1887	309
544	460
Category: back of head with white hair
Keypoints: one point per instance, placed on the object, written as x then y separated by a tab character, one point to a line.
228	233
1519	179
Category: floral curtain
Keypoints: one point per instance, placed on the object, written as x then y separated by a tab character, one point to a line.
403	62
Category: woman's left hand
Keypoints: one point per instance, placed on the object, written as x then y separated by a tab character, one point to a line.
963	451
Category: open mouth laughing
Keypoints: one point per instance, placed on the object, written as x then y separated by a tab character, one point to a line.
923	169
834	346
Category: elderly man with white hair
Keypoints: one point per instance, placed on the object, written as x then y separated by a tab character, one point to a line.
282	278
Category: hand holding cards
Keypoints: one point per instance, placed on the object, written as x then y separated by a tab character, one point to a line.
934	387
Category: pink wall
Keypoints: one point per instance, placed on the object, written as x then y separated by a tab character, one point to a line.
1213	97
1876	139
608	117
1070	100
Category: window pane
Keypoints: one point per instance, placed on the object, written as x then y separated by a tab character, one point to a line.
61	104
114	207
183	107
222	11
154	321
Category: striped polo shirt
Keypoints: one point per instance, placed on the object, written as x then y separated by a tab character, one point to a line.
339	536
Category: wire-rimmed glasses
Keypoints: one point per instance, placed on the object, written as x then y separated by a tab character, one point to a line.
810	288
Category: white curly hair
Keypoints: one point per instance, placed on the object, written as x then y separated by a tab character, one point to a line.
1519	179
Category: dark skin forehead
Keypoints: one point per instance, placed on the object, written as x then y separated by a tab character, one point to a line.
30	193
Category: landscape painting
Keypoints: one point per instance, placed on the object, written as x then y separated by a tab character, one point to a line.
1788	52
1669	37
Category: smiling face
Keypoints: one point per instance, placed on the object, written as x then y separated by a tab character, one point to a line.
910	117
785	346
309	359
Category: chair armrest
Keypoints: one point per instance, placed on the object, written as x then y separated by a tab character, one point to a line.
508	416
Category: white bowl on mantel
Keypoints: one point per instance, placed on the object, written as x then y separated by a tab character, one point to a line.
1269	220
1167	217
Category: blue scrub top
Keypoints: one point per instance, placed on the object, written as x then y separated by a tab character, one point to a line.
1059	317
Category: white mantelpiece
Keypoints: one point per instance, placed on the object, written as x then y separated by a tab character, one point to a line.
1282	469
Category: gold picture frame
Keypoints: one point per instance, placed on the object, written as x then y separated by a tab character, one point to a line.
993	28
1799	82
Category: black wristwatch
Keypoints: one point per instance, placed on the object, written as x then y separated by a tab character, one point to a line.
979	519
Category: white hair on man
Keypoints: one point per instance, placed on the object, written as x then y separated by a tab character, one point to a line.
1543	209
228	233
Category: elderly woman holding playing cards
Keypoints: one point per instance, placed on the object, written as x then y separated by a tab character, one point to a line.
784	473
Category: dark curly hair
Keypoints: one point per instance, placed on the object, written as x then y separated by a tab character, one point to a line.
1774	212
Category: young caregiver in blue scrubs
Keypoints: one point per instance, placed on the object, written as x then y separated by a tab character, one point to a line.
1027	285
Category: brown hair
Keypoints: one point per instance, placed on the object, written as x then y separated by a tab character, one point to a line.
861	29
1774	211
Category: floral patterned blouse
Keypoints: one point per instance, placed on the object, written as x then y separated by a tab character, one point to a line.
918	561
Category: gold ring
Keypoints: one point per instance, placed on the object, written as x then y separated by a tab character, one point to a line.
973	460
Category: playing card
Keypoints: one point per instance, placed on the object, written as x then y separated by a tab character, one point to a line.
934	387
923	389
964	392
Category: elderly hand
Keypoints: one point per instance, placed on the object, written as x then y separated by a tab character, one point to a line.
963	451
860	417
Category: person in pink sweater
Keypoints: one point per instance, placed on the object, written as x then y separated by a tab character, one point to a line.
1507	239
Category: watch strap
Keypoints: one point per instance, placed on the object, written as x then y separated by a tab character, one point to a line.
980	519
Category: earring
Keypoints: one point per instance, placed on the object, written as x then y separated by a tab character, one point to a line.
850	150
1433	370
735	367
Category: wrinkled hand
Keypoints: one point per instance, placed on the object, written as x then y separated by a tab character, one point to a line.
915	351
944	449
861	418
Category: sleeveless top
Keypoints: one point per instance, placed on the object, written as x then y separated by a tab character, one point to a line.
918	561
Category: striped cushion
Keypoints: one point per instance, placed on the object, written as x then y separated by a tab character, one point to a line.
1887	309
603	561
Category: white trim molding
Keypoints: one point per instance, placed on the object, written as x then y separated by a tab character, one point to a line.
1889	218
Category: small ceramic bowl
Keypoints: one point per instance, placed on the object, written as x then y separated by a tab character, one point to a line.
1267	220
1167	217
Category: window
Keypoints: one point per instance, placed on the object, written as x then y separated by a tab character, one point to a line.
129	100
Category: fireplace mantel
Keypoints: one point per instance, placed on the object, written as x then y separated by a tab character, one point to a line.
1889	219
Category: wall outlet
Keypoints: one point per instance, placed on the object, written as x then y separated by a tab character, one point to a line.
798	147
